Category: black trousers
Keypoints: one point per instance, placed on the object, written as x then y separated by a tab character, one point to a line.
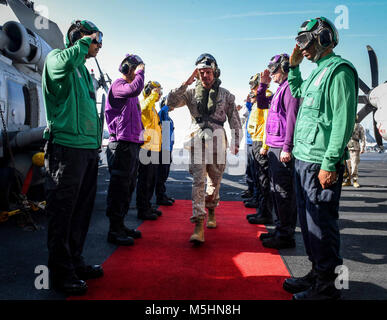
251	172
265	201
122	157
318	211
283	194
71	184
146	181
163	173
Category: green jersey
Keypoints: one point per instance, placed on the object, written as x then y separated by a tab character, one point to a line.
69	98
327	113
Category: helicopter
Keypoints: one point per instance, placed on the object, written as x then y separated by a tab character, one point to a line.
374	100
23	49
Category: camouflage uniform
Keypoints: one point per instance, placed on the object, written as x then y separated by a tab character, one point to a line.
207	147
354	150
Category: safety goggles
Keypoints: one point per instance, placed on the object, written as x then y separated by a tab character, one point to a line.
304	40
87	27
98	40
275	62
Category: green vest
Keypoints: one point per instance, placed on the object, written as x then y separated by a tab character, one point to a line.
314	120
69	98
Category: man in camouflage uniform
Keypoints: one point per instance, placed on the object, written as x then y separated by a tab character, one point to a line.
210	105
354	151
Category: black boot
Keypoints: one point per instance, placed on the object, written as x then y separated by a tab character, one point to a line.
246	194
279	243
89	272
322	289
164	202
171	199
158	212
260	219
252	215
295	285
69	284
134	233
252	204
117	234
146	215
266	235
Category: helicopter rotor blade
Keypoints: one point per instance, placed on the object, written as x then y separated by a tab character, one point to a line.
374	66
363	99
365	111
366	89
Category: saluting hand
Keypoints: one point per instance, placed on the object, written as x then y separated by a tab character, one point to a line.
296	57
140	67
265	77
191	79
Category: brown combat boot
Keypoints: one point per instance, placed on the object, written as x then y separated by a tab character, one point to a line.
198	235
347	183
356	184
211	221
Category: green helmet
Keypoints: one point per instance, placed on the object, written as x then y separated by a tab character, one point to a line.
320	29
77	28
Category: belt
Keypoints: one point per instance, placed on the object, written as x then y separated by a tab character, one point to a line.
206	119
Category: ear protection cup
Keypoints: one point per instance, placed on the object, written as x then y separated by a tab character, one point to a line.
148	88
285	66
74	33
125	68
217	72
325	37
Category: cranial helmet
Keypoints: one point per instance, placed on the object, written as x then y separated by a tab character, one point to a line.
279	61
130	61
150	86
206	60
79	27
320	31
254	80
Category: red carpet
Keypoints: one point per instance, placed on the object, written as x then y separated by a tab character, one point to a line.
231	265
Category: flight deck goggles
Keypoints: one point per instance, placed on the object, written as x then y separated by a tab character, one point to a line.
304	40
275	62
98	40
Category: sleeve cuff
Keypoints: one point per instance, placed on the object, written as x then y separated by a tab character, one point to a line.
294	71
328	165
286	148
